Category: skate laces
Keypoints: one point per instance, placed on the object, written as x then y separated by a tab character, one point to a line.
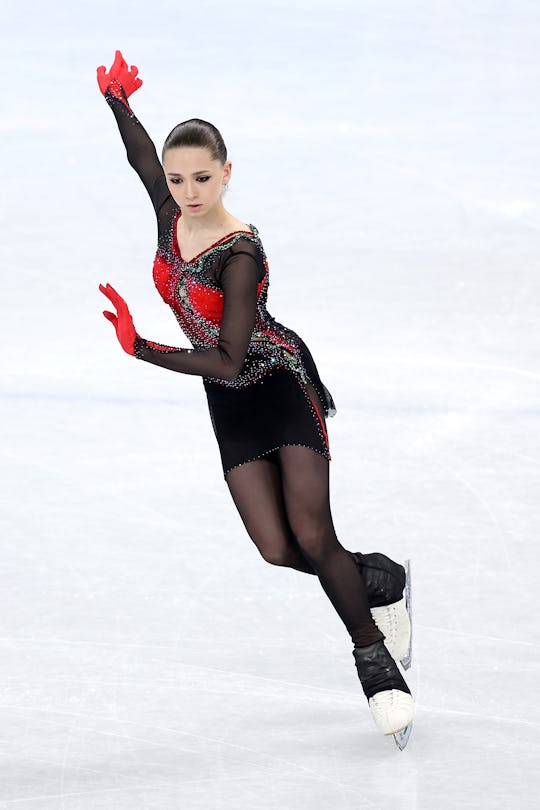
390	699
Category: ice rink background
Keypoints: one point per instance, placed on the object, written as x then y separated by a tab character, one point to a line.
388	152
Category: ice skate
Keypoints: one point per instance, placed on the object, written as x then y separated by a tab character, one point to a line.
388	586
389	697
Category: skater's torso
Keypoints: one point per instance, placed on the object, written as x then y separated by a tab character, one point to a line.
192	288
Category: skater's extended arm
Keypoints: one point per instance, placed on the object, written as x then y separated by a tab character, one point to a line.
117	85
239	281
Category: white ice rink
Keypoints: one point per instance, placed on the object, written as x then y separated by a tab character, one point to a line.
388	153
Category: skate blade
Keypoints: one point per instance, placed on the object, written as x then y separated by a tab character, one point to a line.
407	658
402	737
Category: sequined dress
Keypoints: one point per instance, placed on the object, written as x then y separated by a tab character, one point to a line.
262	385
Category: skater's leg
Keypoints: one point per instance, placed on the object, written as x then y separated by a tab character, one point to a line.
256	490
385	582
305	476
305	482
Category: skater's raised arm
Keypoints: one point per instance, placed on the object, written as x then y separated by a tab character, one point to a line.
240	280
117	85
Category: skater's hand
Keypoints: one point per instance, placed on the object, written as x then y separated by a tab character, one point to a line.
122	321
125	76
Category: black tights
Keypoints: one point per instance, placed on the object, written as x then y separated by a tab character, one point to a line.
284	502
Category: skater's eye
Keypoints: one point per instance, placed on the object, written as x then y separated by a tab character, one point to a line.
177	180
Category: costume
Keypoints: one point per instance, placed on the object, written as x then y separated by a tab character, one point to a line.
276	396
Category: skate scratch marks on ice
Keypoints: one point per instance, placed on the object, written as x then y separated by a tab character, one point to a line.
494	519
480	716
295	766
482	636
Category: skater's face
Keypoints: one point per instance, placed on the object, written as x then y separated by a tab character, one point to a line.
194	179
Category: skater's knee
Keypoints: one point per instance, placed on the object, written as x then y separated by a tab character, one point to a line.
275	555
316	542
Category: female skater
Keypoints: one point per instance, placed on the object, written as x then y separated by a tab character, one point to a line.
266	400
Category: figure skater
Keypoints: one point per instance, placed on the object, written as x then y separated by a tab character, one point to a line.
267	404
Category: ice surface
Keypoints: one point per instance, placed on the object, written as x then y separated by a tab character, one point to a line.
388	154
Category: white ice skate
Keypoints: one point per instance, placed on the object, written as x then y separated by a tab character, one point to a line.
389	697
395	622
393	712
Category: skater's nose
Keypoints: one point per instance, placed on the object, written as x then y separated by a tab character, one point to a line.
191	190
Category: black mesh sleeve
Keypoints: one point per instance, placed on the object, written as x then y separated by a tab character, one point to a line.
141	152
239	279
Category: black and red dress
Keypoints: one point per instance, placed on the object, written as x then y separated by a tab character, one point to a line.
219	299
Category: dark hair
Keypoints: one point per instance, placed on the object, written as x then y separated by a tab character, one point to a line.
196	132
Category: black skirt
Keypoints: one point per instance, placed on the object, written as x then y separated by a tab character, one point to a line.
278	410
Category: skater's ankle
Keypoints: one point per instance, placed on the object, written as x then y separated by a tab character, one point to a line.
377	670
365	637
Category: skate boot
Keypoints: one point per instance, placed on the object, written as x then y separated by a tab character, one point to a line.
389	697
389	593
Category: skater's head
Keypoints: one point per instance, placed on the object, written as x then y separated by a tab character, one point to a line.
194	159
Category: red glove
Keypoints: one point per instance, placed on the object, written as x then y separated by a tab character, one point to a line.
122	321
121	81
